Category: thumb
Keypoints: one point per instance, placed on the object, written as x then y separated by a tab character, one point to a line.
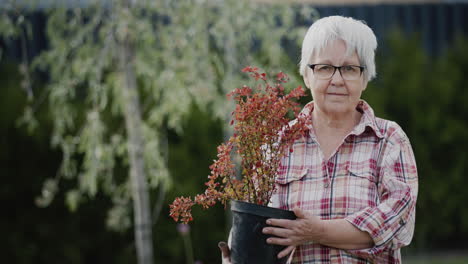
299	213
224	249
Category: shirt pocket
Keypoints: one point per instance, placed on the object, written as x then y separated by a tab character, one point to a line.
362	186
362	176
291	176
289	188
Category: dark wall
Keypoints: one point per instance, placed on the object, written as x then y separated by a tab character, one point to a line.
438	24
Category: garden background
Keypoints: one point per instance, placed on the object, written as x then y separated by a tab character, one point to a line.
97	94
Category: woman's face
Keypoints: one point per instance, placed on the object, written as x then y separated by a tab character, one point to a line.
335	95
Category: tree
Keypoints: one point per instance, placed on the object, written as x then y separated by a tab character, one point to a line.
121	73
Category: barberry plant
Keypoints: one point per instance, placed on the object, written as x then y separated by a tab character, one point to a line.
263	133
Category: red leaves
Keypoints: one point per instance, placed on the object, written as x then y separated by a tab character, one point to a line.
255	74
262	136
181	209
296	93
262	132
239	92
282	77
250	69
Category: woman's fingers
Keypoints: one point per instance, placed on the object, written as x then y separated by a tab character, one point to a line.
286	251
279	232
280	222
280	241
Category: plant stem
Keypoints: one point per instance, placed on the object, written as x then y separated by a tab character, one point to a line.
188	248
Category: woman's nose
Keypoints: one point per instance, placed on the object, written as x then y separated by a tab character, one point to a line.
336	78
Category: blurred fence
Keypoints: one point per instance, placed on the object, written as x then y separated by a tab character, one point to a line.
438	24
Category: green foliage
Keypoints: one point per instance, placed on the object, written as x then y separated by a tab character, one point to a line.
185	51
189	158
426	96
14	25
52	234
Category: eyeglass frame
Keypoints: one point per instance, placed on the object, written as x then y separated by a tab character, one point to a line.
361	68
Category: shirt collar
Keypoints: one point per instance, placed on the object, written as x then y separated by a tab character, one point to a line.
368	118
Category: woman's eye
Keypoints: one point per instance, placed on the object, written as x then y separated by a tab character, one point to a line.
325	68
349	68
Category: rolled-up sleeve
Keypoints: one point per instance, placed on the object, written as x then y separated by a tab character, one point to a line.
391	223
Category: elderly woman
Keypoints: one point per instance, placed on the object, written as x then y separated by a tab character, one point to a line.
352	181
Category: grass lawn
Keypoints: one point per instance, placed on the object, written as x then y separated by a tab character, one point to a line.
438	259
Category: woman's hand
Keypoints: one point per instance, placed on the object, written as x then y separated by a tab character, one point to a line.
337	233
225	252
291	233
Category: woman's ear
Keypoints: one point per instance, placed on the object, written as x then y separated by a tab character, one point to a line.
306	78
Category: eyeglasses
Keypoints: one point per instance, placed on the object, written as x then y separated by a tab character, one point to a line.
326	71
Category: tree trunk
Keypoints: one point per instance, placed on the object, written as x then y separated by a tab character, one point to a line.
133	123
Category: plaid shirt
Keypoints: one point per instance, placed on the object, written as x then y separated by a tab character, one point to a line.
370	181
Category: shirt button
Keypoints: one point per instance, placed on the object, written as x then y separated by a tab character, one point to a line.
326	185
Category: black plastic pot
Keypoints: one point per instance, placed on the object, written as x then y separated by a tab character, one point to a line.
248	243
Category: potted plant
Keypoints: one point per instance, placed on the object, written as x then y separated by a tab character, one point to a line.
263	134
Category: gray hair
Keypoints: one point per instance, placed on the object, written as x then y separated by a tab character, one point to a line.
356	34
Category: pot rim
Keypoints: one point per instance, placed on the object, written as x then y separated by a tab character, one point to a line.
261	210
